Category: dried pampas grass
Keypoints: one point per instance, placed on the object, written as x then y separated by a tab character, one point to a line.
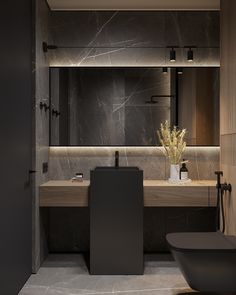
172	141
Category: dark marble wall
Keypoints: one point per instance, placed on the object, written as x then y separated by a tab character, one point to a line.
133	38
41	126
111	107
66	161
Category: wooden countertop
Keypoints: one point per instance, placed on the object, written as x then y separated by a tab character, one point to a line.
157	193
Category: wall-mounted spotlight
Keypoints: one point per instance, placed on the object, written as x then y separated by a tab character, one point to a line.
47	47
172	55
190	54
164	70
179	71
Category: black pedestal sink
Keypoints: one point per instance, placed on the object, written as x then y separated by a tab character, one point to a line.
116	220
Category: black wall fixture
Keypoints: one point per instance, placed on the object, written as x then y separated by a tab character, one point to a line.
172	53
55	113
44	106
164	70
190	52
47	47
153	101
179	71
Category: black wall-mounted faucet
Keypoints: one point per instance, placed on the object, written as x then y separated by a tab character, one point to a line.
117	159
221	189
218	175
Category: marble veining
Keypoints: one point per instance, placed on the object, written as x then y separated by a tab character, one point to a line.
133	38
108	107
66	161
41	123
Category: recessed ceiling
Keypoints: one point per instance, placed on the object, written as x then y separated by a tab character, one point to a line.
134	4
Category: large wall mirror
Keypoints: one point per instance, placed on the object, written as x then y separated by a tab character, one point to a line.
124	106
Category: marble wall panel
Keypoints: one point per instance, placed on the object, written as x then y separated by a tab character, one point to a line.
66	161
113	107
133	38
41	126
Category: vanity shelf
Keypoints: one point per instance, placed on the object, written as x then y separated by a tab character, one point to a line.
157	193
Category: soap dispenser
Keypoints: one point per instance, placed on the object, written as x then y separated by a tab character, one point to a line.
183	171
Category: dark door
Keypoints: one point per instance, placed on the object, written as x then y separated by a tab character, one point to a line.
15	144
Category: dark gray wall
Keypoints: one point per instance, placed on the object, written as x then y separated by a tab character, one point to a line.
41	125
16	92
114	31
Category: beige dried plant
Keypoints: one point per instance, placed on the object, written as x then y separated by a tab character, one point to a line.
172	142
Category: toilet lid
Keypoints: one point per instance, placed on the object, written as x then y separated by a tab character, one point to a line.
201	241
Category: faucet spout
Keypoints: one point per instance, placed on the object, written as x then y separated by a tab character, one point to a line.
117	159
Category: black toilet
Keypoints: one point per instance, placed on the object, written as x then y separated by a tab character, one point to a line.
207	260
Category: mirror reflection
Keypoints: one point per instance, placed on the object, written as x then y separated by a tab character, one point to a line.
97	106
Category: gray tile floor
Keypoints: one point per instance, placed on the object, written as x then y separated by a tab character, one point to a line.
68	275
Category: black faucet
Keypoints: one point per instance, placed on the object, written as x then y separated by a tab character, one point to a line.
221	189
117	159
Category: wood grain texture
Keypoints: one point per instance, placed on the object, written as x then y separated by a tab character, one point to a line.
228	107
157	193
228	67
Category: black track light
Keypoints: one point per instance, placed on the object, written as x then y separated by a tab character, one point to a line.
180	71
190	54
165	70
47	47
172	55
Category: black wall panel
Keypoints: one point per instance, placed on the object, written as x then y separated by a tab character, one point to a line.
15	144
